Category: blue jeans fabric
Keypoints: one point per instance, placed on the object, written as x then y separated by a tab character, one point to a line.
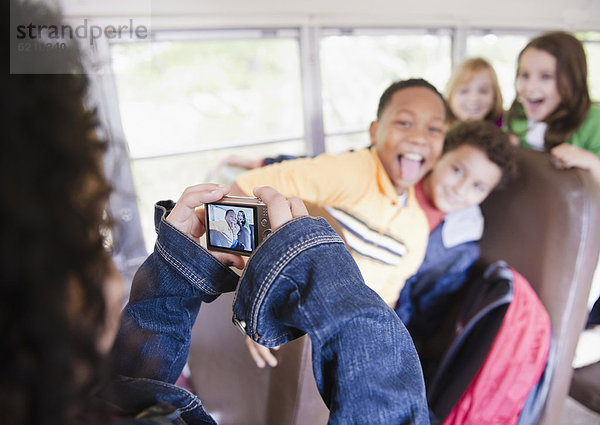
301	280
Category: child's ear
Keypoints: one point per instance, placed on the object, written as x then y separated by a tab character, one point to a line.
373	132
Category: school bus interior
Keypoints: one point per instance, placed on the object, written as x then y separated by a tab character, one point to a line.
262	78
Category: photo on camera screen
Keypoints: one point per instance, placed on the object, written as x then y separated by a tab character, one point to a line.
231	227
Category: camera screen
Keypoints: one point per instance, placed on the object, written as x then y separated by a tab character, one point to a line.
231	227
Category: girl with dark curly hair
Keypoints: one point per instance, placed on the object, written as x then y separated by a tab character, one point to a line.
54	263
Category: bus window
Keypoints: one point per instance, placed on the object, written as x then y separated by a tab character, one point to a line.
358	64
501	50
591	44
187	103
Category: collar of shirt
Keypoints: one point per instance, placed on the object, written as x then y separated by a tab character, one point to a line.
536	132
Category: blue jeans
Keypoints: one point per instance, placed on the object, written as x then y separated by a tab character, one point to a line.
301	280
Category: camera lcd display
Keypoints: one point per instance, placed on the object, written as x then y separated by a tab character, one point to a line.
231	227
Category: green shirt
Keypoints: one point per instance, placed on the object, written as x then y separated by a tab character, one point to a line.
586	137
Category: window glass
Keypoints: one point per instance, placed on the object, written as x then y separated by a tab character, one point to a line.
591	44
501	51
349	141
356	68
167	177
188	95
184	105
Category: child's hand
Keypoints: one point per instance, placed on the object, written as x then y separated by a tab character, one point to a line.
188	218
280	208
569	156
261	355
514	140
185	215
241	161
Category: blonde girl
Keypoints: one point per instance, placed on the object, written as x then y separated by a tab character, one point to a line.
553	110
474	93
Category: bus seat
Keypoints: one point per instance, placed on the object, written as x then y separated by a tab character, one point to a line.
546	225
585	386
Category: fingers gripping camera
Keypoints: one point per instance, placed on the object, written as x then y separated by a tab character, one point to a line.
236	224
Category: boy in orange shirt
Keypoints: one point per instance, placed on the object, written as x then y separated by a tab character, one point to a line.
371	191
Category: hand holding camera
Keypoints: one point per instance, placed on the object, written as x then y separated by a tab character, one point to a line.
243	230
239	224
188	216
281	209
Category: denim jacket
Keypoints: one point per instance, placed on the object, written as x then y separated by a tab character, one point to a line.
303	280
300	280
154	337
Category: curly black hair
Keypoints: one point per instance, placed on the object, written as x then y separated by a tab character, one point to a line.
53	261
490	139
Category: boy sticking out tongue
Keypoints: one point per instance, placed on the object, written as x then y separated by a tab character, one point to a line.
409	132
370	191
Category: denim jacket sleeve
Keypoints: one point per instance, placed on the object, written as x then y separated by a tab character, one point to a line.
154	338
303	280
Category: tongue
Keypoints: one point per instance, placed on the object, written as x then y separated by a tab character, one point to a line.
410	168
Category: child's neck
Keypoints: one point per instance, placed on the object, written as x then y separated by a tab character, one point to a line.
402	194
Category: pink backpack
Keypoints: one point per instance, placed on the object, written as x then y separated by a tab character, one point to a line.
513	366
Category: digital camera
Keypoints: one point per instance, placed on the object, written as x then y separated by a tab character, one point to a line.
236	224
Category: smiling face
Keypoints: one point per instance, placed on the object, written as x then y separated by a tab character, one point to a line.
230	218
462	178
474	98
241	217
537	84
409	135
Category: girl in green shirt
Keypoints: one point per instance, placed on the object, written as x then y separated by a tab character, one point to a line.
553	110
